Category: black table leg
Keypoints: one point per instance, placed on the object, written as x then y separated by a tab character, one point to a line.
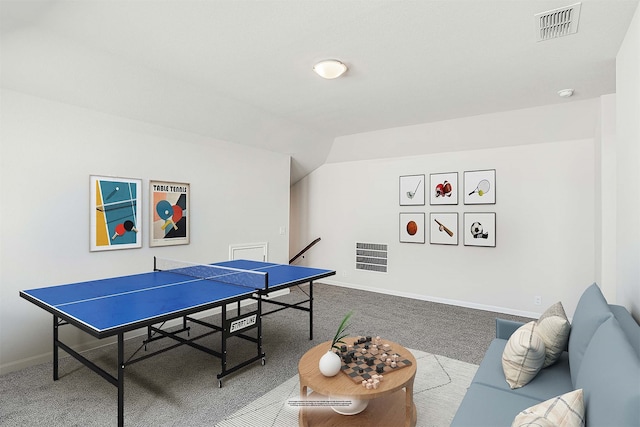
121	379
55	348
311	310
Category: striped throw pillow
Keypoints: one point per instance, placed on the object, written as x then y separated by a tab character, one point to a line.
562	411
523	356
554	328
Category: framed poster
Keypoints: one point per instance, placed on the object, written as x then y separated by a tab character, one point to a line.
443	228
443	189
480	229
412	227
115	210
412	190
480	187
169	213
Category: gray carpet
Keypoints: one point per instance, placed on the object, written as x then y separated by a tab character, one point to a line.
179	387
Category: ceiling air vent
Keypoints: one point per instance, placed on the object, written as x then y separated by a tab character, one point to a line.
557	22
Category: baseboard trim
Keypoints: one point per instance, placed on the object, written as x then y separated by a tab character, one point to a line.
447	301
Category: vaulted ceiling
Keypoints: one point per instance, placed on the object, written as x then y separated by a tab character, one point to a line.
241	71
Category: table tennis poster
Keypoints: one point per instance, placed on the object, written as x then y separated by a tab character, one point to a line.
169	213
115	211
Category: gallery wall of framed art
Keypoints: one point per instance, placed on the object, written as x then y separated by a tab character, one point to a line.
116	212
478	228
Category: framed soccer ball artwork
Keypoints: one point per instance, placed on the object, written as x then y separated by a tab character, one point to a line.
480	229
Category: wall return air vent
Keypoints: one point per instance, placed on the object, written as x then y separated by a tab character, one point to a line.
557	22
371	257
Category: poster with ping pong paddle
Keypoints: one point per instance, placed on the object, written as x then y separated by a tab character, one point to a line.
115	207
480	187
412	227
169	212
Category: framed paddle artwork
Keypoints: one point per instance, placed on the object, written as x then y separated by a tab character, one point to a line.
115	211
169	213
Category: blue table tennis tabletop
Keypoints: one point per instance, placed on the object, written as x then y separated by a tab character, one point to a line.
117	305
108	306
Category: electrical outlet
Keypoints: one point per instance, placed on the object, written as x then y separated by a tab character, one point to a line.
537	300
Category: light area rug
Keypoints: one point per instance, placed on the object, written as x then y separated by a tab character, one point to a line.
438	389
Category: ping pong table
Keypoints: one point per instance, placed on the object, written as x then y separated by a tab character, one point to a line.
174	290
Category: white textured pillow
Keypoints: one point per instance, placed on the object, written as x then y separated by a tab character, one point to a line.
562	411
523	356
554	328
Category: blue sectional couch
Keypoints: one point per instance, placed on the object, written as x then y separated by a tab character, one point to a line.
602	358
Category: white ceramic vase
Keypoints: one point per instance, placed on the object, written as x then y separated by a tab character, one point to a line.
330	364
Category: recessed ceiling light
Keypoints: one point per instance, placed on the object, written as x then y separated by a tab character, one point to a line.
330	68
565	93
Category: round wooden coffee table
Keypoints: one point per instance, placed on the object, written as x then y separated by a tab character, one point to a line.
393	404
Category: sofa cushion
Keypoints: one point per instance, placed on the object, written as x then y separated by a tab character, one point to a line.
610	378
628	324
554	328
523	356
552	381
566	410
592	310
504	327
484	406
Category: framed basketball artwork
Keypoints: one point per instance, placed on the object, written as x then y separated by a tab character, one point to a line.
412	227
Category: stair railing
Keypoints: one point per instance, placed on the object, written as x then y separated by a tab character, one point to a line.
302	252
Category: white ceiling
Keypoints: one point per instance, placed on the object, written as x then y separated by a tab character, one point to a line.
241	71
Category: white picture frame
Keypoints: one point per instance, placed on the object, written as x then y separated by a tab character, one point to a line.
169	213
480	229
443	188
412	227
443	228
115	212
412	190
480	187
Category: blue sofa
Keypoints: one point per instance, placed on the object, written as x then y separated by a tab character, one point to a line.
602	358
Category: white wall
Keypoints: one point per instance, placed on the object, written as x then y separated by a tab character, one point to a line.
628	169
605	194
48	150
545	212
